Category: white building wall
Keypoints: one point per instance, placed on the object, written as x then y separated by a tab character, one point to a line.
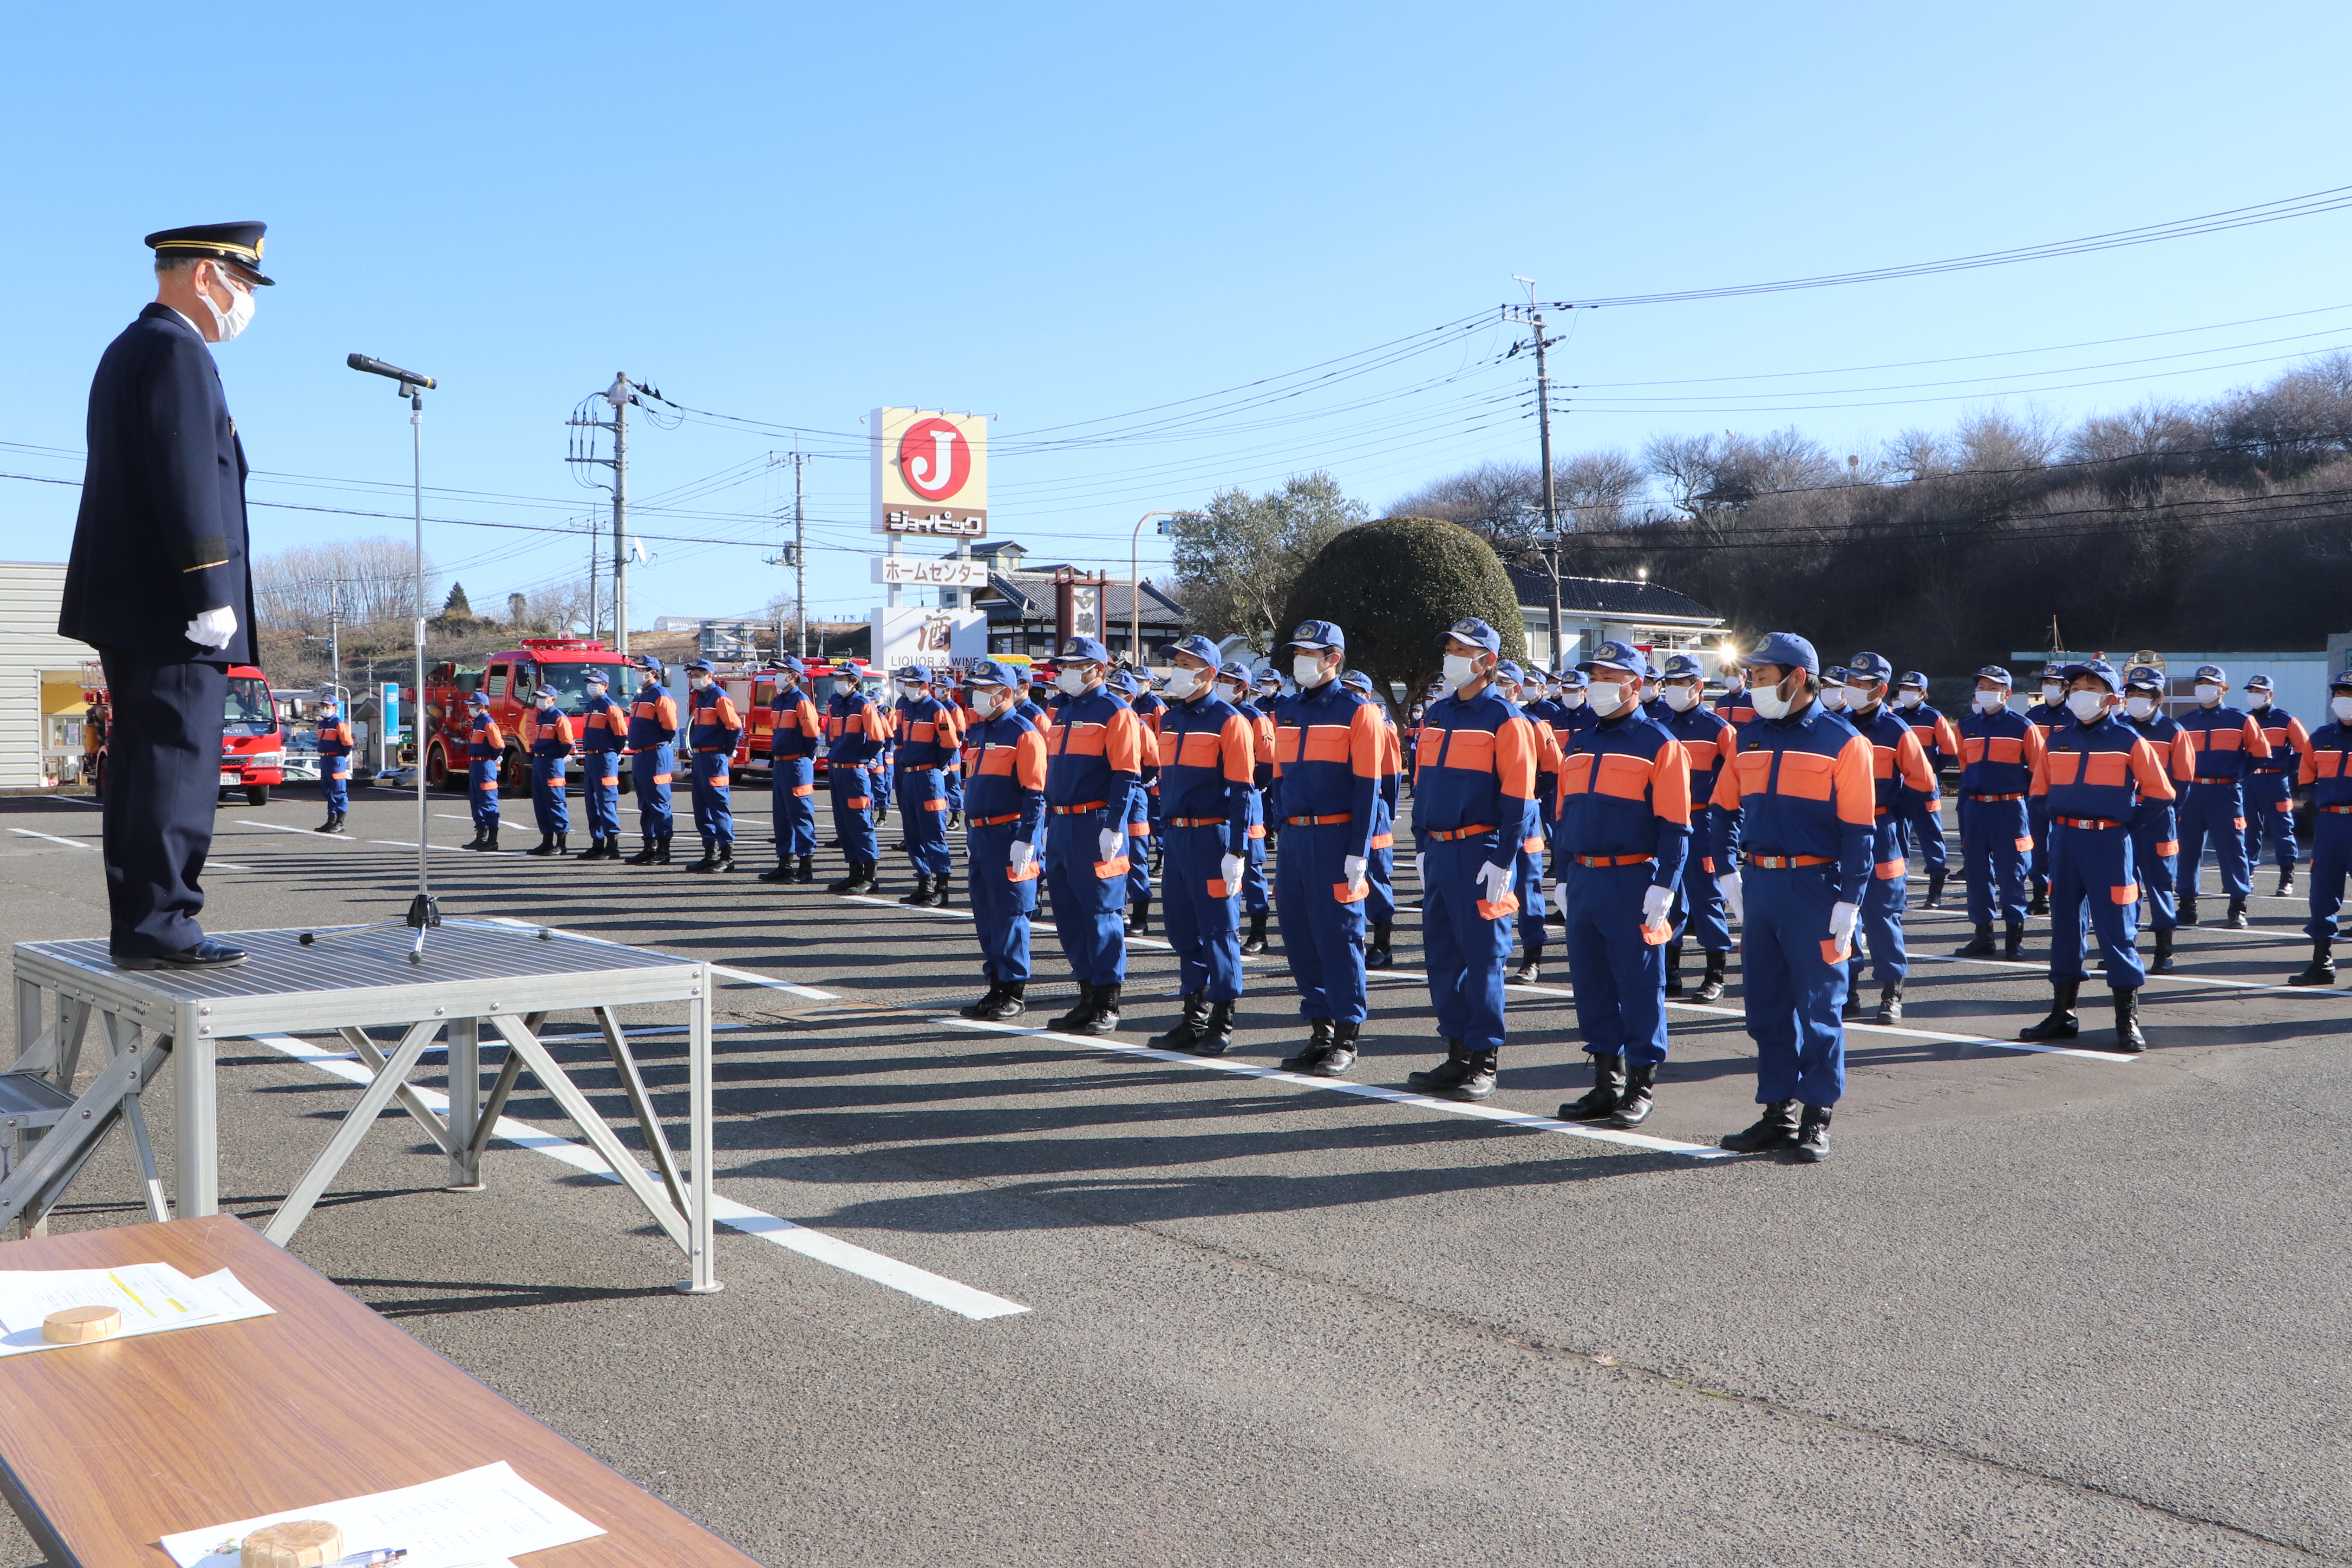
30	594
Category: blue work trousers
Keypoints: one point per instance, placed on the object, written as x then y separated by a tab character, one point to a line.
600	790
714	804
335	783
1322	936
1000	907
547	802
1202	913
791	805
1256	897
1994	843
2037	817
482	791
1139	861
2212	809
1793	983
923	817
2156	857
1088	907
1621	973
2269	813
1527	882
1884	899
1700	914
649	775
2331	853
853	812
1381	907
1923	828
1465	947
2093	865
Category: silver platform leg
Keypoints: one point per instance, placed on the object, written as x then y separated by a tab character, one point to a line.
196	1127
703	1263
574	1105
393	1077
465	1103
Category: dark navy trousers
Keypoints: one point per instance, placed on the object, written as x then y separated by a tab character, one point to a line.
163	782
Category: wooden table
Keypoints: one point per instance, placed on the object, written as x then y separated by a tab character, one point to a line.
106	1448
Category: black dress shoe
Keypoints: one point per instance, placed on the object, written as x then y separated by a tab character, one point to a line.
206	953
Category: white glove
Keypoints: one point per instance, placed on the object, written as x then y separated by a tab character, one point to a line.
213	628
1023	853
1559	894
1228	871
1495	879
1351	869
1112	842
1421	867
1842	918
1655	903
1729	886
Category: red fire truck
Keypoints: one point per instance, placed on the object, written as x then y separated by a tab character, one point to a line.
511	680
253	743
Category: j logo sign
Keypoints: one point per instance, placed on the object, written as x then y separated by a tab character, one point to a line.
935	459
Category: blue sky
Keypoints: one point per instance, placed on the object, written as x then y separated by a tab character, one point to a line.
1061	215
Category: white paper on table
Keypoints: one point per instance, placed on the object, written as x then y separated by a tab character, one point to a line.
467	1520
151	1296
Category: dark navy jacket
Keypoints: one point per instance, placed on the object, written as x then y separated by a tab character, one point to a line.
162	535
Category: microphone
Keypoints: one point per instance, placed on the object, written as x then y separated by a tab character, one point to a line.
377	367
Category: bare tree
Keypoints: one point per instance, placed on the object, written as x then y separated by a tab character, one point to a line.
372	582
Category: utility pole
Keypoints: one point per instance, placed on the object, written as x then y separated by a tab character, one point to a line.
1530	316
800	558
621	395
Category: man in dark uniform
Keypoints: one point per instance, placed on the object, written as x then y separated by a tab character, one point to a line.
158	585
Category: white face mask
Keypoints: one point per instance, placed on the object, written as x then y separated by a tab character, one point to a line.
1769	704
1232	693
1070	682
1858	697
2051	693
1184	684
545	699
2259	701
1681	699
1991	701
1606	696
2085	706
2342	708
1832	699
1460	671
2208	693
698	681
1308	670
1571	699
239	314
2139	706
1908	700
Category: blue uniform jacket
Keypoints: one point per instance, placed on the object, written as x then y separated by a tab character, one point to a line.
1474	768
926	733
653	718
854	729
605	725
1804	786
2100	772
2327	768
1208	767
794	727
547	737
483	739
2222	741
1329	749
1004	775
2284	734
713	725
1624	791
1093	757
1997	751
1710	742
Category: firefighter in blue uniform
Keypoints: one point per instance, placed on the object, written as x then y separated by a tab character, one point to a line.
1473	806
795	730
1094	788
1208	759
1997	751
1803	783
604	730
1379	908
336	745
1148	706
926	730
158	585
1130	688
653	761
2221	743
1510	682
713	732
1905	786
2270	783
1257	901
547	738
2327	775
1624	813
2044	715
1708	741
486	750
2156	830
1734	705
1941	745
2096	773
1005	808
959	701
855	733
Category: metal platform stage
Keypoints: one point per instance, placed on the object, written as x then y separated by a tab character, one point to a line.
474	975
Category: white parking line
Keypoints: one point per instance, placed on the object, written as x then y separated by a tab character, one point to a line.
68	843
953	913
307	831
905	1277
2173	979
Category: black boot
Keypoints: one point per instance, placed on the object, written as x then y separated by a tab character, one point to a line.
939	891
2322	971
644	856
1012	1003
869	879
1814	1137
2128	1039
1463	1074
2039	904
955	820
1319	1044
1854	1006
480	832
727	853
921	897
2012	939
1256	941
491	843
1935	898
326	827
781	871
986	1006
710	861
2286	882
806	870
1981	945
1079	1016
1890	1002
661	851
2237	921
1634	1104
1105	1018
1775	1129
2061	1024
1340	1056
849	880
2162	963
2188	912
1673	969
1710	985
1599	1102
563	843
1139	916
1530	969
1217	1034
1185	1033
1378	956
546	845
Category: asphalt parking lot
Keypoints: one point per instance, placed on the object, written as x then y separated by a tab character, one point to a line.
2040	1307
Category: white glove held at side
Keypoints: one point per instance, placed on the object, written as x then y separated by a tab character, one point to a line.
213	628
1495	879
1228	871
1559	893
1023	853
1351	869
1112	842
1421	867
1842	918
1728	885
1655	903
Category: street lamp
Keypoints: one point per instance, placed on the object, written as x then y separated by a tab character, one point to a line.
1135	587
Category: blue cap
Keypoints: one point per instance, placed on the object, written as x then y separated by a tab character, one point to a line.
1618	656
1235	670
1788	650
2343	679
1268	681
919	673
1316	635
2098	669
1478	632
989	672
2214	673
476	700
1868	669
1357	680
1682	666
1834	675
1086	650
595	674
1911	681
701	664
791	662
1507	670
655	668
1573	680
2259	683
2146	676
1199	648
1124	682
1995	672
